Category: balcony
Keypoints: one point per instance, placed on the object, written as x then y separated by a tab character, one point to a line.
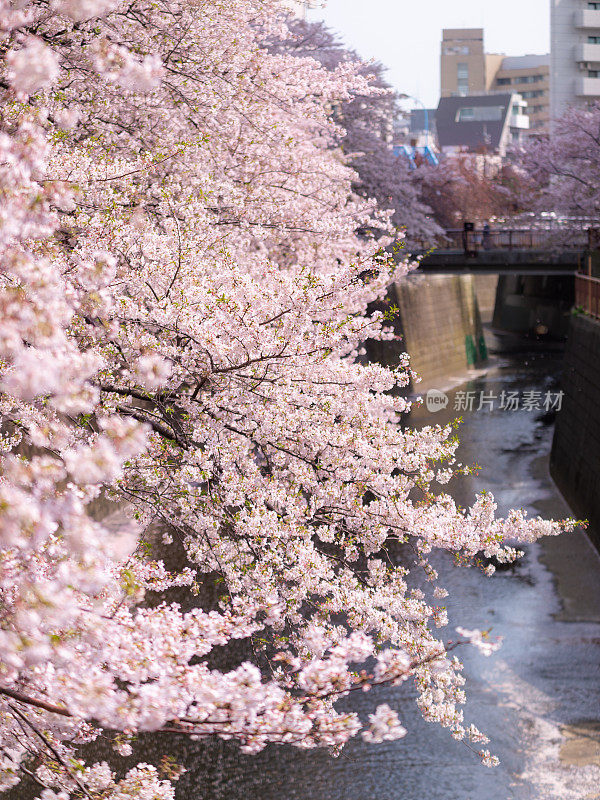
519	121
587	87
587	19
587	52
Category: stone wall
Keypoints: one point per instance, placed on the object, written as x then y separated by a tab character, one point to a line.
575	458
438	324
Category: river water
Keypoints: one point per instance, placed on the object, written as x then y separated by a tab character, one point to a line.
538	698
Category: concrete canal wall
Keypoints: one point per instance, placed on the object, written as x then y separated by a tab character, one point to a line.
575	458
486	288
438	324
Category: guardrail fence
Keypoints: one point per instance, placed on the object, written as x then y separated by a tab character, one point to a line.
515	239
587	294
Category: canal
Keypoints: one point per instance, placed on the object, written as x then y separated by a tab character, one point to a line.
538	698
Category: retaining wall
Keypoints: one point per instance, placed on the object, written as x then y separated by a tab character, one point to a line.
575	458
438	324
486	288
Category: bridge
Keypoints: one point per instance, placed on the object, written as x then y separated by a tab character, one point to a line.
516	251
524	284
542	273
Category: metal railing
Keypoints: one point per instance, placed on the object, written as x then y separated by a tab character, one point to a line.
587	294
516	239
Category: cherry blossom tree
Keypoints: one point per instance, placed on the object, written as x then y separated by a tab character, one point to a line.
183	297
564	168
366	136
472	187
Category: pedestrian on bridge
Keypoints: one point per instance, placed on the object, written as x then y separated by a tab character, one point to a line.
487	236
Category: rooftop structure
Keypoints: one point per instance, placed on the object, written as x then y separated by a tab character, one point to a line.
484	123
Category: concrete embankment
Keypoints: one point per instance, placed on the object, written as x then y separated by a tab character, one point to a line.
486	289
575	458
439	324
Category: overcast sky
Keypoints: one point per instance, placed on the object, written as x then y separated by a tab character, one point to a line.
405	34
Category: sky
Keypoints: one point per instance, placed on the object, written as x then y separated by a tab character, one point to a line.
405	35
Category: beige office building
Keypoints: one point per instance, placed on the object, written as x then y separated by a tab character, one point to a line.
530	77
466	69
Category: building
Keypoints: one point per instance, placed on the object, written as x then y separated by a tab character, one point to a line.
422	124
575	63
487	123
466	69
529	76
462	62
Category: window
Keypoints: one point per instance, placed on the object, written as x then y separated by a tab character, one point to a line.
593	39
535	93
481	114
462	76
595	6
504	81
529	79
456	50
593	73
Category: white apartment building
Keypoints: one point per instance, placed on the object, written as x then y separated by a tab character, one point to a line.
575	54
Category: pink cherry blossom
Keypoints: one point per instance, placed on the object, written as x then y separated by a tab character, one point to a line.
562	170
79	10
385	726
187	267
32	67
